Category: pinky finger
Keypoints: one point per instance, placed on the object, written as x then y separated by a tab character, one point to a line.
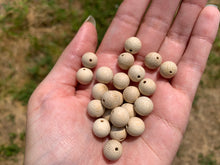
193	62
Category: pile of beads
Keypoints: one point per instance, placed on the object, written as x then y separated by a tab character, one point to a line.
118	112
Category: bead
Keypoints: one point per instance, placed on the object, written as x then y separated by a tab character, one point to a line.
98	90
152	60
130	94
125	61
112	150
104	75
84	76
136	73
135	126
147	87
101	128
143	106
117	133
121	80
95	108
168	69
119	117
89	60
132	45
107	114
130	108
112	99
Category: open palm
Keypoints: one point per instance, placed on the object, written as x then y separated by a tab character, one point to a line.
59	130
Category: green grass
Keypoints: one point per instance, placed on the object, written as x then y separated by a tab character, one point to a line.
207	159
9	150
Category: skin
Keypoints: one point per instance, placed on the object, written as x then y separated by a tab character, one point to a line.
59	130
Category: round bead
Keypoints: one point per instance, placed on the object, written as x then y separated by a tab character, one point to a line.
125	61
130	108
152	60
98	90
135	126
143	106
118	133
132	45
101	128
112	99
84	76
104	75
147	87
119	117
89	60
95	108
130	94
121	80
112	150
168	69
136	73
107	114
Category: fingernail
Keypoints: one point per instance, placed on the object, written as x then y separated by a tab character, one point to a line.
212	5
91	19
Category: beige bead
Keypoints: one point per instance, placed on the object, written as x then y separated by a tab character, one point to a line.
95	108
117	133
104	75
101	128
152	60
136	73
121	80
132	45
119	117
168	69
107	114
125	61
112	150
98	90
147	87
130	94
89	60
84	76
112	99
135	126
143	106
130	108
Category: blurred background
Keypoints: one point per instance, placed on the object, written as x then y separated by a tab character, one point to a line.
33	33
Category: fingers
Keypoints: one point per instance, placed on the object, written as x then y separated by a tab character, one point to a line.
192	64
69	62
124	25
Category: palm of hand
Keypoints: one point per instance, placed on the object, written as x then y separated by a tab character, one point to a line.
60	131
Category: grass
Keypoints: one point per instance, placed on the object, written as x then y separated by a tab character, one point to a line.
207	159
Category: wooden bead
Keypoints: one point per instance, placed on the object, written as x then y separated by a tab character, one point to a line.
136	73
84	76
98	90
89	60
112	99
143	106
95	108
125	61
112	150
121	80
101	128
119	117
147	87
135	126
117	133
152	60
130	94
104	75
107	114
130	108
132	45
168	69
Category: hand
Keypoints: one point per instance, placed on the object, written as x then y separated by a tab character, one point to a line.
59	130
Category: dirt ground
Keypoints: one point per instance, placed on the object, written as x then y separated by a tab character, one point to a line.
200	145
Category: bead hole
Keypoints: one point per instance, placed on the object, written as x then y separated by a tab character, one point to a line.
144	82
116	148
171	71
90	60
103	100
84	69
138	76
158	58
102	120
130	50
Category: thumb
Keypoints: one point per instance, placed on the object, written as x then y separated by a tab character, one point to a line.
69	62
